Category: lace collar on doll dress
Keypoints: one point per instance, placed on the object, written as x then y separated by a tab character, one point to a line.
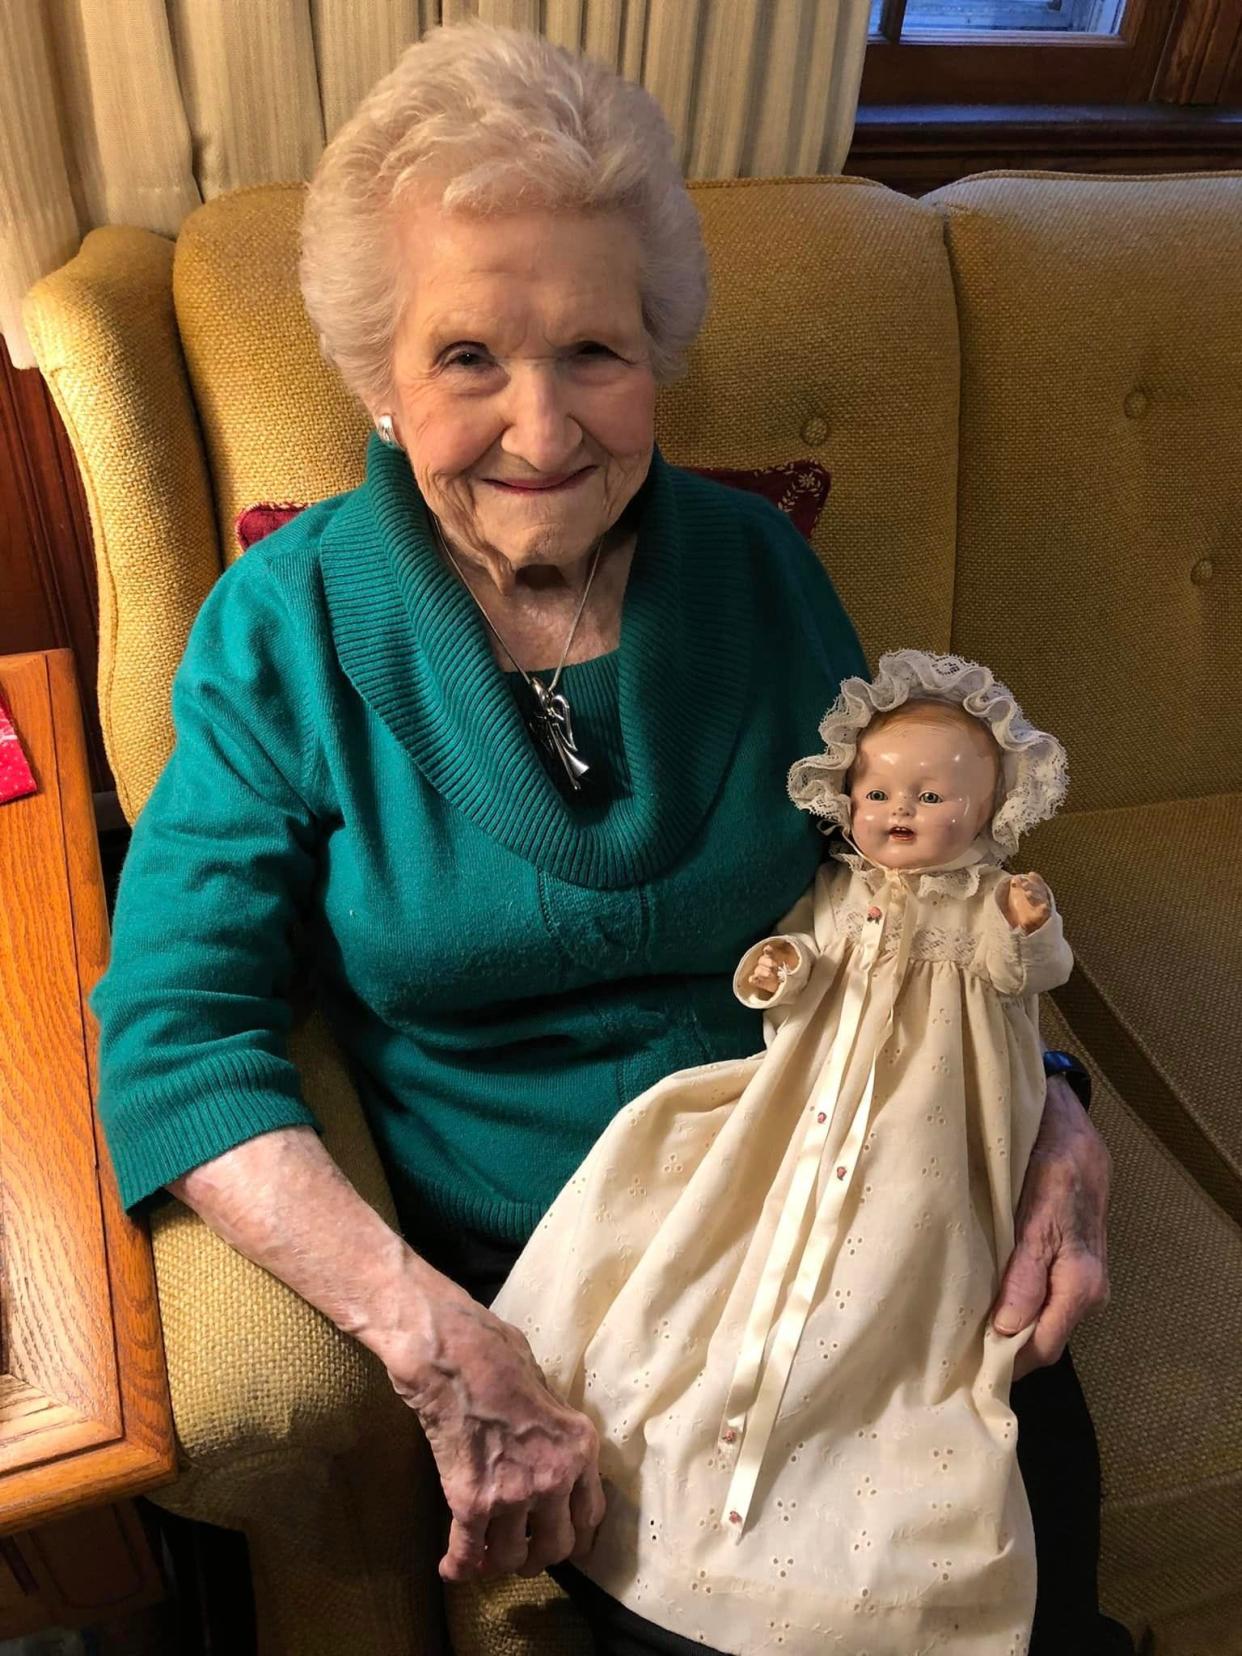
959	878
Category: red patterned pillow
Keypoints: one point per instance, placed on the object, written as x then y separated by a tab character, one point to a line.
799	488
16	778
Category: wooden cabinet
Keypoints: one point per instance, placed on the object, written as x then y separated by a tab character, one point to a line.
84	1407
74	1571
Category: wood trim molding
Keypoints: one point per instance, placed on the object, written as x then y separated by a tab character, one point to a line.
47	553
915	148
84	1406
1203	45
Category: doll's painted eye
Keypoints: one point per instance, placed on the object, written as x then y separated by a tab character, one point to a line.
876	793
929	798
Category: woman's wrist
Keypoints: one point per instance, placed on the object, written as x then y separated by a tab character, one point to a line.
401	1314
1066	1070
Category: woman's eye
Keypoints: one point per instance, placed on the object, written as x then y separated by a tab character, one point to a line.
930	799
467	359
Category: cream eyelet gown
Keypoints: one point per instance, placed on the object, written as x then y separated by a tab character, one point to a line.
768	1286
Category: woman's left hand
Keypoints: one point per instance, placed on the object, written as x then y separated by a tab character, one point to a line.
1058	1271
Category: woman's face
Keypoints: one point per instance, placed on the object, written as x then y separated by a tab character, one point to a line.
921	787
520	362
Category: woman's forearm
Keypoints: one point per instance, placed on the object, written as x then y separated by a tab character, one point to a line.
282	1201
505	1447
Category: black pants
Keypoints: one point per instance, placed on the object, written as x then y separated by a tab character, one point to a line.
1060	1466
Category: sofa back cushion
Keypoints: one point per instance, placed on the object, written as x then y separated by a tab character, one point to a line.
1099	552
831	335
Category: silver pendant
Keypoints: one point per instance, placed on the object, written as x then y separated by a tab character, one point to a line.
553	729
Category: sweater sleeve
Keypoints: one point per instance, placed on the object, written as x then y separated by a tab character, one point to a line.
1019	962
192	1017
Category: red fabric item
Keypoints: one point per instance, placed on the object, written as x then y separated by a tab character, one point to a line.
16	778
254	522
799	488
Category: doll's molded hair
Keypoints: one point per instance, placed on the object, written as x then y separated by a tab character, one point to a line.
1034	768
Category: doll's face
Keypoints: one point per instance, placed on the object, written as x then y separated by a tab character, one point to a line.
922	786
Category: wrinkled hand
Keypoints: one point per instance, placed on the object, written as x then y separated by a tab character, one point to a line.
766	974
519	1467
1028	902
1058	1271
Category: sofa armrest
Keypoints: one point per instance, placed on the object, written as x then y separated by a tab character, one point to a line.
252	1367
105	338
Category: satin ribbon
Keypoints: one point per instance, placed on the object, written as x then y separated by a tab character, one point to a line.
770	1343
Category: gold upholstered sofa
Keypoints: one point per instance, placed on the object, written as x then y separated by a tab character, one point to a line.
1028	389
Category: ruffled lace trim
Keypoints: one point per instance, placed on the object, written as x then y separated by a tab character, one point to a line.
1034	767
952	882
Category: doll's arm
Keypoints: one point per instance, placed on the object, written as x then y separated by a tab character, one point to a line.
774	970
1023	949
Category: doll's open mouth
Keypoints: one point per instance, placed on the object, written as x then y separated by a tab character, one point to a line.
901	833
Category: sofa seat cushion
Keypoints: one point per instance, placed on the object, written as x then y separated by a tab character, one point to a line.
1151	896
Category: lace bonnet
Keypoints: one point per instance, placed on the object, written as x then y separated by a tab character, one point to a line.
1034	769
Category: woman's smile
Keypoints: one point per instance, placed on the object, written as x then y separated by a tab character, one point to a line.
557	485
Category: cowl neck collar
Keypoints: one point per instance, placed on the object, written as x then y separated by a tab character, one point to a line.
413	644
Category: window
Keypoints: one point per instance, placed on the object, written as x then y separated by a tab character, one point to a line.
1014	51
922	17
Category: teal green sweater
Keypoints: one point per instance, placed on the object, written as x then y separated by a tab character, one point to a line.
353	791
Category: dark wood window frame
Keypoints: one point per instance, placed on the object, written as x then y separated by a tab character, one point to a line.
1175	51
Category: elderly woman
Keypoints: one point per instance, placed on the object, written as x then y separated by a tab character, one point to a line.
496	728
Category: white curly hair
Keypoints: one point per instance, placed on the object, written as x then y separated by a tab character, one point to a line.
1034	770
495	121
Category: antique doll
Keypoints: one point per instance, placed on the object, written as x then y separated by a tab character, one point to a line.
769	1283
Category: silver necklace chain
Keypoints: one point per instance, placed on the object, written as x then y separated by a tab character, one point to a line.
552	725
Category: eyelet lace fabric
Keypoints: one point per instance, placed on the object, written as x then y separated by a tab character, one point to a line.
888	1516
1034	767
954	947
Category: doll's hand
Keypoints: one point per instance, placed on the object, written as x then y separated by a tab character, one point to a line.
1028	902
775	960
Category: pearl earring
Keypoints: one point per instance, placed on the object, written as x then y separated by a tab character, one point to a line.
387	435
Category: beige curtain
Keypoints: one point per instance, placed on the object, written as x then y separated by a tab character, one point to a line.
134	111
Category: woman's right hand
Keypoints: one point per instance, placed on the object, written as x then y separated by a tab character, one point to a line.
509	1453
519	1468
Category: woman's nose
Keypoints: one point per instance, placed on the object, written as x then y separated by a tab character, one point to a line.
540	429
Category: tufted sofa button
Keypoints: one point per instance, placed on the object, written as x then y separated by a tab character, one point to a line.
1202	571
815	429
1136	405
